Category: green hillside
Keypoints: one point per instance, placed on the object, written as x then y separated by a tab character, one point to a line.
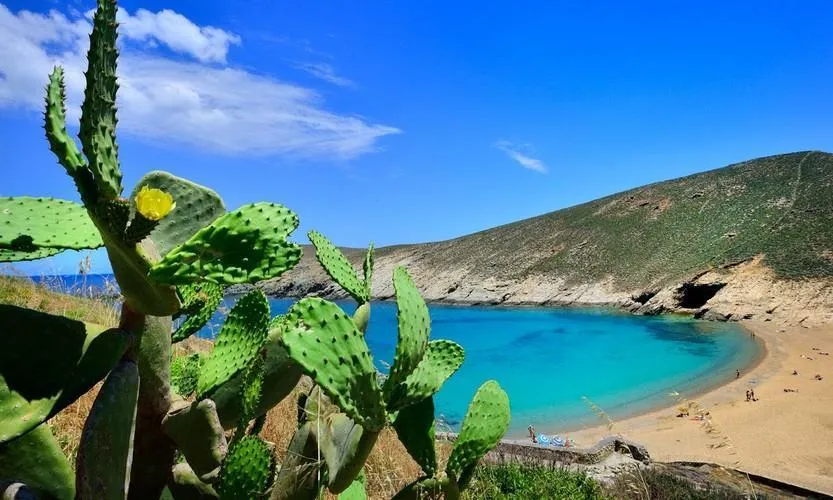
779	206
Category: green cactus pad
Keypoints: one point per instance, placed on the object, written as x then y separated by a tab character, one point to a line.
60	143
196	430
362	317
36	459
485	423
345	446
98	111
240	339
252	393
414	328
338	267
325	342
247	470
280	376
368	270
199	302
105	452
415	427
196	207
298	475
243	246
78	357
28	223
8	255
185	485
357	490
185	371
442	358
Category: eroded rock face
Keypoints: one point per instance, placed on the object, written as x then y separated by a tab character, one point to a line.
741	291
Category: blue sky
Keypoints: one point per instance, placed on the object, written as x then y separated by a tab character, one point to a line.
398	122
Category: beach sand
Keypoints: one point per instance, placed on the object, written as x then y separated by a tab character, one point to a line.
787	436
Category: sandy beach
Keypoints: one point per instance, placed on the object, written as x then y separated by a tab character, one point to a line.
783	435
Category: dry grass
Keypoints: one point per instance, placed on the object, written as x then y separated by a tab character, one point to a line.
23	292
388	468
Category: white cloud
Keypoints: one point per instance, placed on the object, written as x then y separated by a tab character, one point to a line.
326	72
516	152
200	102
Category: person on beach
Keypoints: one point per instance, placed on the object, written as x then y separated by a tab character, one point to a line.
795	372
748	396
738	373
752	394
532	433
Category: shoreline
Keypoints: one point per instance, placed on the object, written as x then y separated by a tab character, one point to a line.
787	436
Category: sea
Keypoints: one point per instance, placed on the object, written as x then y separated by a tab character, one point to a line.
559	366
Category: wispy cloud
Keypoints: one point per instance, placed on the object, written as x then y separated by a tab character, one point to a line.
521	154
190	97
325	72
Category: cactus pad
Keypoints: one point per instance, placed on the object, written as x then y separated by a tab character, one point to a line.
252	392
28	223
345	446
485	423
238	342
368	269
185	370
243	246
357	490
105	452
60	143
78	357
414	426
298	476
98	111
199	302
197	432
441	360
247	470
36	459
196	207
338	267
414	328
326	343
280	376
430	488
8	255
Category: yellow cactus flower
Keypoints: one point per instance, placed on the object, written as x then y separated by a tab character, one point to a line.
154	203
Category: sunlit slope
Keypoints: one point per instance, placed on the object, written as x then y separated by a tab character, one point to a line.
779	206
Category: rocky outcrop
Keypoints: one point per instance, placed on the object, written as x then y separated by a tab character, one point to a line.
742	291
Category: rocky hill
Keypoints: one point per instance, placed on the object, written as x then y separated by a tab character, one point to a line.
750	239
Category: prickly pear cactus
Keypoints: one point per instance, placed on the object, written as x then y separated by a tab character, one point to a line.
243	246
485	423
414	329
326	343
240	339
442	358
247	470
414	426
199	302
79	355
339	268
28	223
185	370
196	207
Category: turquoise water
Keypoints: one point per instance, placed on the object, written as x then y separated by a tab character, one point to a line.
548	358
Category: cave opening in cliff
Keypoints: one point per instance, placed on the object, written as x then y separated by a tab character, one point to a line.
696	295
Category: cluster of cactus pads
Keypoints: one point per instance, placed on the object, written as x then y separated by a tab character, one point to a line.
187	427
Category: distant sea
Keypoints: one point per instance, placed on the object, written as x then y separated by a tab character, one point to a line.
548	359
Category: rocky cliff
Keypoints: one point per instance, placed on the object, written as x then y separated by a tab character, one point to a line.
754	239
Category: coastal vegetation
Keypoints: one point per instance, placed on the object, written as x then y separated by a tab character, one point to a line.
161	426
